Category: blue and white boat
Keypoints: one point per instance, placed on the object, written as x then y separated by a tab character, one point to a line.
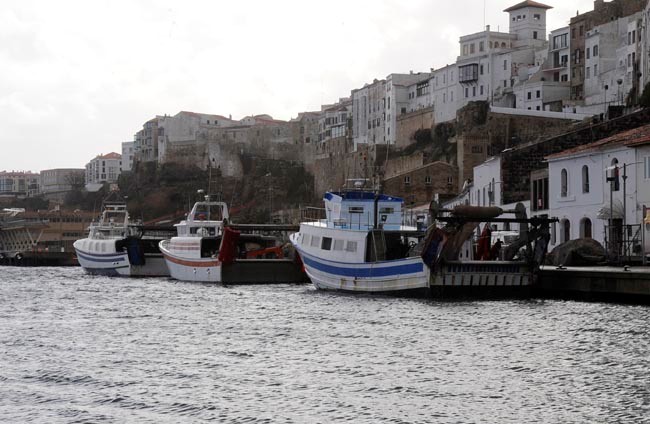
116	247
362	246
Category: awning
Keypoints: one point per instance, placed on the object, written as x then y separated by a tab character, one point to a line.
616	210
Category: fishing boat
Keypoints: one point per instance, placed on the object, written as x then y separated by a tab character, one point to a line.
209	249
363	246
117	247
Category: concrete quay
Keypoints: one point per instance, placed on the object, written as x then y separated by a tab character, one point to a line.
598	283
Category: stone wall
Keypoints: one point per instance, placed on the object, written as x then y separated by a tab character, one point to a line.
408	124
518	163
401	164
418	186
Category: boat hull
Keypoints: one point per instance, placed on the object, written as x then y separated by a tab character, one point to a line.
117	264
199	270
404	275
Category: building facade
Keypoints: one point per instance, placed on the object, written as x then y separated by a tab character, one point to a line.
103	169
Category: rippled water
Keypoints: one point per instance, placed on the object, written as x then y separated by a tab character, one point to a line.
77	348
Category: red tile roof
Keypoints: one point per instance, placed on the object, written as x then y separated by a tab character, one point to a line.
630	138
111	155
527	3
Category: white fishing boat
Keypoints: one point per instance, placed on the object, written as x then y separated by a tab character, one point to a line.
362	246
117	247
193	254
210	249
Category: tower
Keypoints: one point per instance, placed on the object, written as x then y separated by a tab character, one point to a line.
528	20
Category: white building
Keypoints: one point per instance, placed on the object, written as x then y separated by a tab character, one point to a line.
103	169
398	98
580	192
55	183
369	113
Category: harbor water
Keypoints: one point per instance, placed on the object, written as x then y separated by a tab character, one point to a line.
78	348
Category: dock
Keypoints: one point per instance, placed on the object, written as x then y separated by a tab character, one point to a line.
598	283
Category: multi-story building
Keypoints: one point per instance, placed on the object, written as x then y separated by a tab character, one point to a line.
19	183
398	98
103	169
333	120
368	113
583	24
146	142
128	152
56	183
181	130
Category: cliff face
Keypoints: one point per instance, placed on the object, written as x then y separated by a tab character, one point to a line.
171	189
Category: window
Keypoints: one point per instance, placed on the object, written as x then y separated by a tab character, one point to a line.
471	48
537	17
505	65
315	241
595	50
538	94
481	70
588	51
588	74
386	210
481	46
407	180
338	244
451	96
481	90
646	167
566	231
351	246
473	91
585	228
326	244
534	35
585	179
355	209
617	181
564	183
427	180
529	95
540	194
466	92
595	70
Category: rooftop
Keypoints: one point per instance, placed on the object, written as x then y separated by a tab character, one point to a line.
527	3
111	155
630	138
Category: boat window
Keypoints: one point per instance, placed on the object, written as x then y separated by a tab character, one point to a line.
386	210
103	247
355	209
327	243
315	241
351	246
338	244
305	239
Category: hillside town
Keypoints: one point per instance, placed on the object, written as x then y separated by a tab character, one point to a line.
555	118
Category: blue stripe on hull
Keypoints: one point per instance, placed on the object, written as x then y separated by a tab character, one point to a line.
364	270
117	258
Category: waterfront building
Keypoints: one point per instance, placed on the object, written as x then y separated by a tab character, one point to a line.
21	183
593	183
399	97
333	120
368	113
103	169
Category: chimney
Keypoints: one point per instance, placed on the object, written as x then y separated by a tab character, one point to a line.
487	28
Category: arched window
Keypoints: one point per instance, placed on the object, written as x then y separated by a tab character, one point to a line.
585	228
566	230
564	183
585	179
616	184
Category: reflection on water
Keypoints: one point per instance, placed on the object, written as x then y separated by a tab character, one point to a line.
77	348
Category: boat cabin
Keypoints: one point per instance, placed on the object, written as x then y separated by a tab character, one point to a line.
205	220
358	210
113	223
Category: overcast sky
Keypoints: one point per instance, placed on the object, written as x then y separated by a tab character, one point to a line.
77	78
